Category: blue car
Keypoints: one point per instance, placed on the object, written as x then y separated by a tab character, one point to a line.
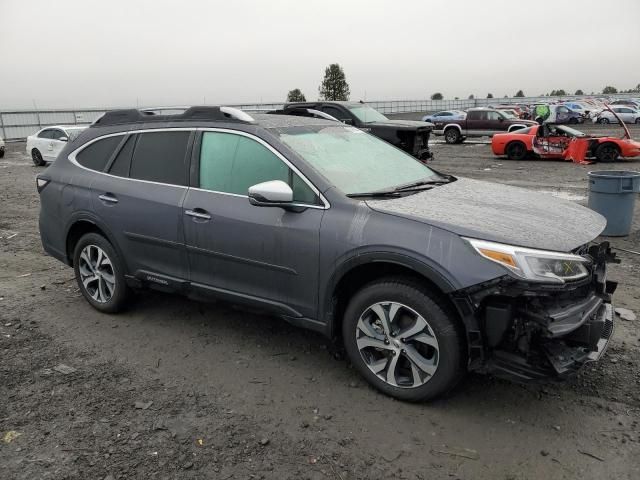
445	116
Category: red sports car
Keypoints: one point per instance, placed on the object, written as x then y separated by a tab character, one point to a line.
563	142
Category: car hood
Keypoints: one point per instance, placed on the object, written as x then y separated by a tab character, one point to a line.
408	124
499	213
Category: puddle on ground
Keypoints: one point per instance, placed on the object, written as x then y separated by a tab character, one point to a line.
564	195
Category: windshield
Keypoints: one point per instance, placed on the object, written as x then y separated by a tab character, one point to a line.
367	114
569	131
353	160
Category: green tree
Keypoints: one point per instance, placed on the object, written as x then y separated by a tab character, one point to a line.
437	96
609	89
557	93
296	95
519	93
489	95
471	97
579	92
334	86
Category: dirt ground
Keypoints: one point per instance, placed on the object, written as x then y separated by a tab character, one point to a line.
175	389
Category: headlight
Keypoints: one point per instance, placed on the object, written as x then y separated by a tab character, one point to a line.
534	265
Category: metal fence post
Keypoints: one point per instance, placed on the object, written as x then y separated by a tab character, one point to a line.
4	134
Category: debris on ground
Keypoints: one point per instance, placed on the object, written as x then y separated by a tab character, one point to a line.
626	314
64	369
456	452
10	436
142	405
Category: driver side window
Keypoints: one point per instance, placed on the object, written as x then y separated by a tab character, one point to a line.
231	163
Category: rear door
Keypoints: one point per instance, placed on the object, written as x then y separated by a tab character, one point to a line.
141	202
43	142
262	255
477	122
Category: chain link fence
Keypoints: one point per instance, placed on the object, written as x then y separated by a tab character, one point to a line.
17	125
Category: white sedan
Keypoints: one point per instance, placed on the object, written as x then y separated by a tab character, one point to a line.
626	113
45	145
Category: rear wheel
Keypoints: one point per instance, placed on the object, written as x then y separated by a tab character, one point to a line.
452	135
516	150
1	152
638	121
607	152
100	273
404	340
573	121
36	156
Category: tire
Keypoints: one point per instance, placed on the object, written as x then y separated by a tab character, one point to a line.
108	291
452	135
603	121
573	121
438	347
607	152
516	150
36	156
1	152
637	122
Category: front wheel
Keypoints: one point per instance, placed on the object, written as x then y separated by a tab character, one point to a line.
637	121
404	340
100	273
452	135
36	156
603	121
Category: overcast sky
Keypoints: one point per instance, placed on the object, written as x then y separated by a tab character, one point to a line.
85	53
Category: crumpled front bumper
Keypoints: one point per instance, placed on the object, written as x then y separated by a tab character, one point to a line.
561	356
531	332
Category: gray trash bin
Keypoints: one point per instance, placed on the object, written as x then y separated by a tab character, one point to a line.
612	193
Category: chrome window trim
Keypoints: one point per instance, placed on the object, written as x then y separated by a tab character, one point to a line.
72	158
326	205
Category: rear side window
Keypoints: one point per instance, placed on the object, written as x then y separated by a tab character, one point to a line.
160	157
122	162
96	155
46	134
232	163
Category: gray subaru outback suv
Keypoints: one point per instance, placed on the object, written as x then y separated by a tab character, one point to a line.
422	276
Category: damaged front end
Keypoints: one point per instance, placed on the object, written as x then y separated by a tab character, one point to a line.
530	331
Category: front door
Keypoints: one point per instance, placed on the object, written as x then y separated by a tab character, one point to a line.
267	256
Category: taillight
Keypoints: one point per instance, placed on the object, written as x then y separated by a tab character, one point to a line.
41	182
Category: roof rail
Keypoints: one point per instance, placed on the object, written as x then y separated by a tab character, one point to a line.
132	115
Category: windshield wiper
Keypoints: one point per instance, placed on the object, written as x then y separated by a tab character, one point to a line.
422	183
379	194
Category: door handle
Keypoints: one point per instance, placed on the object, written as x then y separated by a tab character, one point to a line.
108	197
198	213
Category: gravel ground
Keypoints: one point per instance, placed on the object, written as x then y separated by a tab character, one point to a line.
173	388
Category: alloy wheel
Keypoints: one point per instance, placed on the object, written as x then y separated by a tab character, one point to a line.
397	344
96	273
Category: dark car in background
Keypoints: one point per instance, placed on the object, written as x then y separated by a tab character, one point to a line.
422	276
479	122
408	135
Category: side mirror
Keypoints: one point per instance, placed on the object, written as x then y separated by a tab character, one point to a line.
347	121
64	139
275	193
